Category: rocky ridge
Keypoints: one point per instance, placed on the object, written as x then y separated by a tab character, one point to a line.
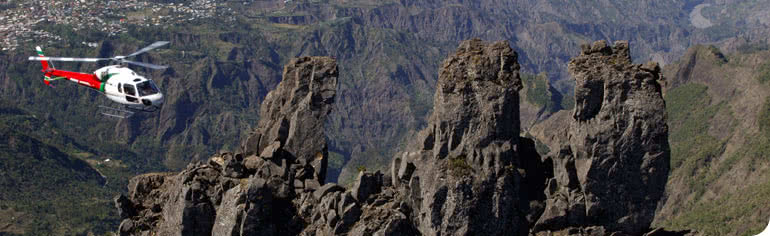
612	163
468	172
249	192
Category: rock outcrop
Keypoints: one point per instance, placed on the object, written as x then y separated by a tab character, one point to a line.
460	175
292	118
247	193
465	179
467	173
612	162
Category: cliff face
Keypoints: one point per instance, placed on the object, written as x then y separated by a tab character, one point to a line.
612	163
249	192
464	178
467	173
293	116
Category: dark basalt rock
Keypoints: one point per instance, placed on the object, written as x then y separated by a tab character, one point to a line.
464	178
612	169
292	116
460	175
247	193
467	173
365	185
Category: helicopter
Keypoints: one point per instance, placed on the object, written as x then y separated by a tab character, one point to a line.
119	83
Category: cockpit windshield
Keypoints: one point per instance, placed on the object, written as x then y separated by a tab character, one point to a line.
146	88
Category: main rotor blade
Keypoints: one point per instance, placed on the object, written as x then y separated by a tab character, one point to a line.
67	59
148	65
148	48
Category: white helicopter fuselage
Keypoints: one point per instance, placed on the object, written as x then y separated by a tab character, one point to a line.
124	86
118	83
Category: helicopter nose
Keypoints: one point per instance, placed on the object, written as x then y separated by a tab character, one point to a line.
147	102
155	100
159	100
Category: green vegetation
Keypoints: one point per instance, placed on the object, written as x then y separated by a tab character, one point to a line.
764	118
54	191
719	217
56	184
722	215
421	104
694	158
759	148
692	148
540	93
721	58
458	166
764	72
336	160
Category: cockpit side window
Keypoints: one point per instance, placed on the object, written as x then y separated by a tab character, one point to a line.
146	88
129	89
120	88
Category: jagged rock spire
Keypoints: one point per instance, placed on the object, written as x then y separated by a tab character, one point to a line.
246	193
612	170
467	173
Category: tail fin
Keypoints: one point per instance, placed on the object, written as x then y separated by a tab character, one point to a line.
40	54
46	78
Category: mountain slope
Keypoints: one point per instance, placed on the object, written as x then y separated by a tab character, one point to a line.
220	70
388	52
719	107
45	189
211	98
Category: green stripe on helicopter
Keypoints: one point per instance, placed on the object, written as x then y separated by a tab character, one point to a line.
106	77
48	78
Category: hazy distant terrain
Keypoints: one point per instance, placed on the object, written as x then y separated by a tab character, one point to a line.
225	56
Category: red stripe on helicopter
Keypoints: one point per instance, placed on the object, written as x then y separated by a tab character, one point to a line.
89	80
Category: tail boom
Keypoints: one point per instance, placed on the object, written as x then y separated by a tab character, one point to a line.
52	74
88	80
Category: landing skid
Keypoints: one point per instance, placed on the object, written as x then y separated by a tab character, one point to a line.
143	109
115	112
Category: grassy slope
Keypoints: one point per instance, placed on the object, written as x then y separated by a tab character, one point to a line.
719	116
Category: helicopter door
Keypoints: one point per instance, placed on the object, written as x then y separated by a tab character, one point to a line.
130	92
